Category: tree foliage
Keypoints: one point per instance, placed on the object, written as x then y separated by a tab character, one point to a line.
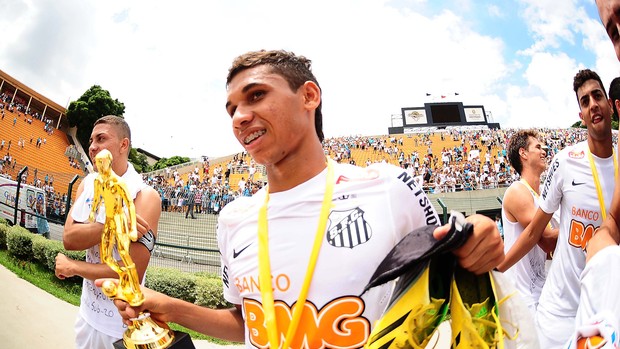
167	162
93	104
139	161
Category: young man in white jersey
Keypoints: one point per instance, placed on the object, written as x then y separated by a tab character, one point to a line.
348	216
581	183
96	328
528	157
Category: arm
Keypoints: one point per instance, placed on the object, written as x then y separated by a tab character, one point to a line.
67	267
528	238
611	222
78	235
226	324
148	211
519	206
131	209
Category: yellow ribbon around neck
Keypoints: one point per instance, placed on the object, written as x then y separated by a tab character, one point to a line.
529	187
536	195
597	182
264	267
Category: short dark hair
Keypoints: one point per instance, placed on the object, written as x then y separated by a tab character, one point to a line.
583	76
517	141
119	123
296	70
614	93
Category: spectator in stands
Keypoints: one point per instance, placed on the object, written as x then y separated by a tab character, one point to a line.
275	105
190	201
581	180
241	184
526	154
94	328
252	171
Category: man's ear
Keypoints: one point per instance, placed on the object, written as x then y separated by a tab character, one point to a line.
125	145
312	95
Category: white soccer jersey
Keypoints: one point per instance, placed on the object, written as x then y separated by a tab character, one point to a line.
529	273
570	185
373	208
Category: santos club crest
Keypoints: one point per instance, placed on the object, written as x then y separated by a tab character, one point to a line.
348	228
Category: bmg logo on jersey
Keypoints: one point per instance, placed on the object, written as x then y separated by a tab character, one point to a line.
348	228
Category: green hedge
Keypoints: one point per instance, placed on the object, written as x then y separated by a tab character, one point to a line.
4	229
210	294
201	288
172	282
19	243
45	251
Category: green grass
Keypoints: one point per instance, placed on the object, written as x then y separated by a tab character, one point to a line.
68	291
41	277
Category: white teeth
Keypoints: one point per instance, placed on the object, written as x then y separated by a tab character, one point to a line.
253	136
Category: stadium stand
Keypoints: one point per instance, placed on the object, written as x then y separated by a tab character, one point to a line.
32	135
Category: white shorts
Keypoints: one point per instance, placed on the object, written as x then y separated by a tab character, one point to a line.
87	337
553	331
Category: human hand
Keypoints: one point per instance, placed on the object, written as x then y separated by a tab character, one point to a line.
142	227
64	267
483	250
155	303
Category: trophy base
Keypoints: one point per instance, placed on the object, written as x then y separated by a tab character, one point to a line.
147	334
181	340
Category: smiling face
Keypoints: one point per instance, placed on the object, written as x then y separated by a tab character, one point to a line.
609	11
270	120
535	154
595	109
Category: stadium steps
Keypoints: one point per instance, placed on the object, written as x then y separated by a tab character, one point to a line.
48	159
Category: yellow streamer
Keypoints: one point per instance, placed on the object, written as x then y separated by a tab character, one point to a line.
264	266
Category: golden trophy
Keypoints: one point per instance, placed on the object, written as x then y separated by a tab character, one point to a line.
120	230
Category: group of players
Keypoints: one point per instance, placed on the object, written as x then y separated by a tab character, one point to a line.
349	218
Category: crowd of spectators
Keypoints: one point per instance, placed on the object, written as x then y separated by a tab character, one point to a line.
467	160
470	160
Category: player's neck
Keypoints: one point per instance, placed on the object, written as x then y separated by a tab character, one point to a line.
121	168
532	178
295	170
601	148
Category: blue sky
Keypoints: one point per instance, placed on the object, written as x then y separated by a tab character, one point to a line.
167	61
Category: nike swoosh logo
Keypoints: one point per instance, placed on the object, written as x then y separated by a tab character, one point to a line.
576	184
237	253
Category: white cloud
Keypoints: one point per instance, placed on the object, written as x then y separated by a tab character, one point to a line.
167	61
495	11
551	23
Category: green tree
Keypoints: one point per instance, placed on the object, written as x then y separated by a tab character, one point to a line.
94	103
578	124
139	161
167	162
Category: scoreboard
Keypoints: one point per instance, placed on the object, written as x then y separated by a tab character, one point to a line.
441	115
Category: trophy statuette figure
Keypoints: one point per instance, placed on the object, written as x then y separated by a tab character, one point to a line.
119	231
